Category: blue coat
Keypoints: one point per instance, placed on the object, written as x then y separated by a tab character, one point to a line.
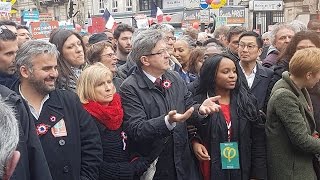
145	108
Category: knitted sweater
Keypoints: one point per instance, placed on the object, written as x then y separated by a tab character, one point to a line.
116	162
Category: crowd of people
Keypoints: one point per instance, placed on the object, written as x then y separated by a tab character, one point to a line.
144	104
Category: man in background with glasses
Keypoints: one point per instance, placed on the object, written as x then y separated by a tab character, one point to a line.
257	76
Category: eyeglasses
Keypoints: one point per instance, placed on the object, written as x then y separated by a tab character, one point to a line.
167	38
249	46
110	55
161	53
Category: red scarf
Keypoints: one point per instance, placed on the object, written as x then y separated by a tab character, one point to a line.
110	115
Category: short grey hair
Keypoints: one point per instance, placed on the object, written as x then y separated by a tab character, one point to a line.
278	28
163	27
9	138
188	39
266	35
298	25
144	43
32	48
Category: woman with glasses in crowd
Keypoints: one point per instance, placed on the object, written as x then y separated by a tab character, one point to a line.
104	52
98	96
71	59
236	131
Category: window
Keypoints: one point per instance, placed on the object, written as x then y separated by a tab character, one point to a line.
114	6
146	4
101	4
128	5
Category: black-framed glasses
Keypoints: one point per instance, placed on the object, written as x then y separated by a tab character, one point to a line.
161	53
249	46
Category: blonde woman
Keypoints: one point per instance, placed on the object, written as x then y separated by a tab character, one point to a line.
98	96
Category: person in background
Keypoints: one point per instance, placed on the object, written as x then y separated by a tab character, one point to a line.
292	140
71	57
97	37
202	37
8	49
85	39
182	50
281	36
98	96
238	123
197	57
221	34
69	137
110	36
266	44
12	26
9	139
257	77
122	35
233	41
23	34
213	46
103	52
314	25
191	32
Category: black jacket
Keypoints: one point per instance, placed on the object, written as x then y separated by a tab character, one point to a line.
116	163
260	85
78	155
32	164
145	108
250	137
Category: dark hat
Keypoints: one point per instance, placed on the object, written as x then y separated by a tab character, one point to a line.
94	38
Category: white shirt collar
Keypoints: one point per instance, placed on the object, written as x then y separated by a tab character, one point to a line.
32	110
149	76
254	70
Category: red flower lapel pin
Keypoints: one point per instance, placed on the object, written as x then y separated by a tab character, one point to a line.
166	84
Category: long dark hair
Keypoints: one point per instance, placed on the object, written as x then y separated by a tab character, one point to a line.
246	102
58	37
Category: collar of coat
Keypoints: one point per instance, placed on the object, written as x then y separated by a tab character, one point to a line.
295	90
145	82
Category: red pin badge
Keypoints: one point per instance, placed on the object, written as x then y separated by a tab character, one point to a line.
53	118
42	129
166	84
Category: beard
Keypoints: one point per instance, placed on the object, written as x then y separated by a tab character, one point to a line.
40	86
122	49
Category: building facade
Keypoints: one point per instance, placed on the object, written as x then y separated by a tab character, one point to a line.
179	13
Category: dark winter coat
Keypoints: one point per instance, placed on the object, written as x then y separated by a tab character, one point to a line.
78	155
250	137
116	163
145	108
260	85
32	164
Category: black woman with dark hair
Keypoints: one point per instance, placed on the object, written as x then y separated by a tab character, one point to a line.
229	144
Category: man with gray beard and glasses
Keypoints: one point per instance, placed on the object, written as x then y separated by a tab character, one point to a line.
69	137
